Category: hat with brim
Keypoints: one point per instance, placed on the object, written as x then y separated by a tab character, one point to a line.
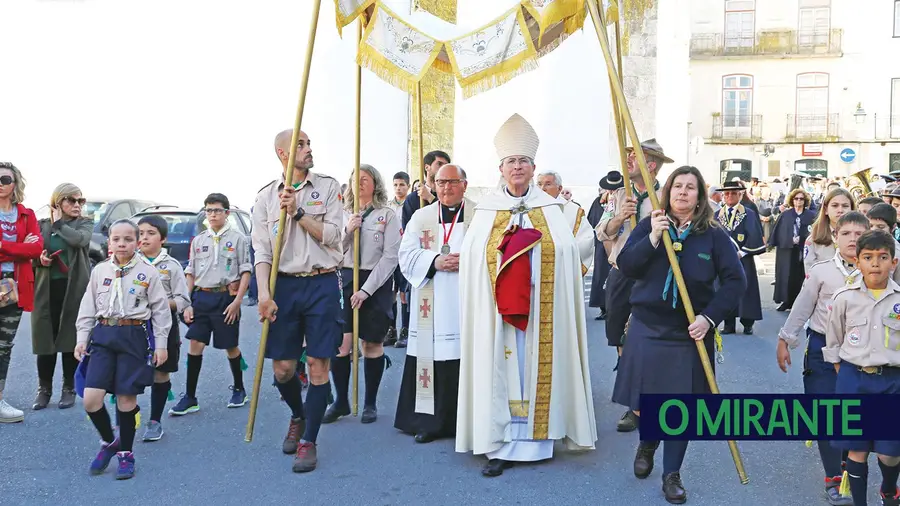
889	179
892	192
651	147
731	185
612	181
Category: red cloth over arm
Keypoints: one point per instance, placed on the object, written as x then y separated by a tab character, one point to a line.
513	289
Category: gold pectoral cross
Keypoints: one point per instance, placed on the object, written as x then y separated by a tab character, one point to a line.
507	352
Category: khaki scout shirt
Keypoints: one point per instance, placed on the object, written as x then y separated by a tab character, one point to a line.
214	269
172	276
144	299
300	252
862	330
614	203
814	301
379	240
814	253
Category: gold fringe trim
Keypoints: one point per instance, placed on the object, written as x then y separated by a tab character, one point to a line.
343	21
498	76
545	327
368	57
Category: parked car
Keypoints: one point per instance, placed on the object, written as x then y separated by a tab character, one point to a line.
104	212
184	224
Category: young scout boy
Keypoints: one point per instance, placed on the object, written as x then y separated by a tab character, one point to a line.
883	217
813	304
217	273
863	342
153	233
123	295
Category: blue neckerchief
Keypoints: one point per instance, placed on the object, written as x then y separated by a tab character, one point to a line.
675	239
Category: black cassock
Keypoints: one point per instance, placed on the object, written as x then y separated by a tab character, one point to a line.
601	262
789	273
745	230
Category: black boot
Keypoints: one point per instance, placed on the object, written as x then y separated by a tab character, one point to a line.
401	341
628	422
45	392
643	460
391	338
674	489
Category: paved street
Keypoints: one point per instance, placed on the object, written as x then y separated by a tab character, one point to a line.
203	458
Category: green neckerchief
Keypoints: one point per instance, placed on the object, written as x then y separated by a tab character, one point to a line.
677	240
642	196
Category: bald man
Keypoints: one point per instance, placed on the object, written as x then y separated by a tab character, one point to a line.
307	291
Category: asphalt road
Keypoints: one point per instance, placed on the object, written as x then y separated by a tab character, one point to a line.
203	458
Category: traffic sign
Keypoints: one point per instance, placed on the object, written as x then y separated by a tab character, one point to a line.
848	155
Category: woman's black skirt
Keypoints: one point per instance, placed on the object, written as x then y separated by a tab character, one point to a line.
376	313
657	359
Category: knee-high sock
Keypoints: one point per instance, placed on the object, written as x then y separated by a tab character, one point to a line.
673	455
194	363
236	373
859	474
316	401
889	476
101	421
127	428
159	394
292	393
69	365
374	372
340	371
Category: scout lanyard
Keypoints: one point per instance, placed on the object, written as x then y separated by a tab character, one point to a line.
676	240
445	249
217	236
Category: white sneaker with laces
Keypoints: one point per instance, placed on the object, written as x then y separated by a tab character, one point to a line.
9	414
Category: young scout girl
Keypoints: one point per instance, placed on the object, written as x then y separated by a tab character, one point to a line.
153	233
813	304
863	342
123	296
820	243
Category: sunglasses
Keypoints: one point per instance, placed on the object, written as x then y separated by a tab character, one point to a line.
72	200
6	180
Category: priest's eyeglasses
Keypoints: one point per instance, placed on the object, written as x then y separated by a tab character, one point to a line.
443	183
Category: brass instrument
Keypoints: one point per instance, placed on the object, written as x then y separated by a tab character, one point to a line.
796	181
860	184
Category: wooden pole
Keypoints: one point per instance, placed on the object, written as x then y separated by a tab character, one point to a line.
355	343
619	94
276	255
620	128
421	145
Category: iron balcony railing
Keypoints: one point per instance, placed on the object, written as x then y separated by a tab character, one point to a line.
813	126
768	43
745	127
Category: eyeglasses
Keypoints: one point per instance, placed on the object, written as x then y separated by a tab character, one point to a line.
214	210
799	198
6	180
442	183
72	200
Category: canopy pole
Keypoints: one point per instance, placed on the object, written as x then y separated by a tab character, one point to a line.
421	160
620	128
599	26
276	254
356	257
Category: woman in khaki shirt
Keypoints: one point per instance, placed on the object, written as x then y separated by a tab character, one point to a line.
379	244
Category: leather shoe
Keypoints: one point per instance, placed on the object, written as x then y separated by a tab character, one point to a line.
643	460
335	412
748	330
369	414
425	437
495	467
728	329
674	489
601	315
628	422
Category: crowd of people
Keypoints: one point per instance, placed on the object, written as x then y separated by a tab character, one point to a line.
491	295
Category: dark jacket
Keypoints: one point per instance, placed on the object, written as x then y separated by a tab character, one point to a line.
77	236
22	253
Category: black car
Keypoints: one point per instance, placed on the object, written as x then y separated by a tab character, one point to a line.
105	213
184	224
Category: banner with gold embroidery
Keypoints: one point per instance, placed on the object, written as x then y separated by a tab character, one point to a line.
346	11
441	9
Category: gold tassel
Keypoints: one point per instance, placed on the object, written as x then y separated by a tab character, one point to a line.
612	12
809	444
845	485
137	419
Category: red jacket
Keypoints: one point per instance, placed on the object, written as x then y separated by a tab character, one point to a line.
22	254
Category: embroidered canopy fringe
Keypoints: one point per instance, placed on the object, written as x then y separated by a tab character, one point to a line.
499	76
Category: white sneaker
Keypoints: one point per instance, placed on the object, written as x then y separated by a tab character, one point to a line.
9	414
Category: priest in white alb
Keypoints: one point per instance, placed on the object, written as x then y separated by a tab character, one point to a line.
551	182
524	380
429	260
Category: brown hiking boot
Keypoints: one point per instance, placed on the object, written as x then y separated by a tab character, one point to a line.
305	460
67	399
42	400
294	433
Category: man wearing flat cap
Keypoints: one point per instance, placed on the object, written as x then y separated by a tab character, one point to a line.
609	184
524	379
614	228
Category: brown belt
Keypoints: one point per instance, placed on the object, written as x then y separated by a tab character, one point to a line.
314	272
120	322
217	289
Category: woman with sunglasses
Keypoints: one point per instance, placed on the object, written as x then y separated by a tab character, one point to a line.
20	243
61	276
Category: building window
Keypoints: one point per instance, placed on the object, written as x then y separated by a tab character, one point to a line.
739	20
815	23
896	18
737	101
812	105
894	162
735	168
812	166
895	108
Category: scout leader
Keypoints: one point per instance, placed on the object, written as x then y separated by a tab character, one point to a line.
614	228
745	229
308	290
813	304
114	344
863	342
153	233
218	273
